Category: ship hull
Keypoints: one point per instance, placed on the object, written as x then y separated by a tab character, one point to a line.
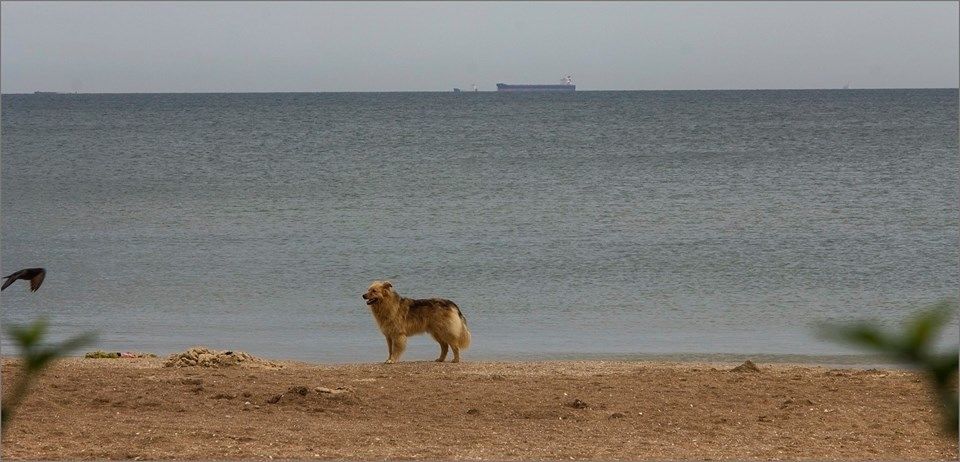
535	88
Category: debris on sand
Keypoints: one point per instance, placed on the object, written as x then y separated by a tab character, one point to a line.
577	404
302	391
298	393
204	357
747	366
331	391
790	403
872	372
100	354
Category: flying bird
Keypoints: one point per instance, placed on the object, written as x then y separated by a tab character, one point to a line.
34	275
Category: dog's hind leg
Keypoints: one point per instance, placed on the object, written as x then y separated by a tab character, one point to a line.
443	346
456	353
443	352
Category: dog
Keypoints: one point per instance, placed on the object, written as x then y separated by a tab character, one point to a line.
399	317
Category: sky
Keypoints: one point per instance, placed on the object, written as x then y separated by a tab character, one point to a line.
134	47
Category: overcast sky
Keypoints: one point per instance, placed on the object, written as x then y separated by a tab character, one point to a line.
432	46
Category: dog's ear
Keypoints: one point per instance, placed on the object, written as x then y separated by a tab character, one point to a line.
387	285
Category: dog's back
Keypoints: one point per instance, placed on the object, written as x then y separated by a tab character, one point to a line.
440	317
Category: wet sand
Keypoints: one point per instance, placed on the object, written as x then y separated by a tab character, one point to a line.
137	408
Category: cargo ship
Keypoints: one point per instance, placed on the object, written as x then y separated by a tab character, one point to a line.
566	85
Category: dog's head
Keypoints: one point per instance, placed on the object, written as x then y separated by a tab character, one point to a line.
378	291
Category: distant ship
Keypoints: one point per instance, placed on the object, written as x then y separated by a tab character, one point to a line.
46	93
567	85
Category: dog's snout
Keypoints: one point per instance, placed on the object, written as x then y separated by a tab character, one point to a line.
364	296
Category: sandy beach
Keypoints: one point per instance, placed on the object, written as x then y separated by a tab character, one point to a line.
141	409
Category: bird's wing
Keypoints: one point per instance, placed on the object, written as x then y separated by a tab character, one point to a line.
9	281
37	280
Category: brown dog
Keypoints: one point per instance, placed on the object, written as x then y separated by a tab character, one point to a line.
399	317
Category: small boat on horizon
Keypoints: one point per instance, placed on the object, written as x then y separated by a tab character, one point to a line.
565	86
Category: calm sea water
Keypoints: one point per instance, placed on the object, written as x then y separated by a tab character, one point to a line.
594	224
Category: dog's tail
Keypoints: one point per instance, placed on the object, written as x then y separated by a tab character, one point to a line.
463	341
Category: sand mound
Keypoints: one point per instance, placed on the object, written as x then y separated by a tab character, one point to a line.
747	366
204	357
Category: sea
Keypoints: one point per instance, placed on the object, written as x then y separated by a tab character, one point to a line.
703	225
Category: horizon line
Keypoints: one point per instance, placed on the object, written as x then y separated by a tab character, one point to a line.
55	92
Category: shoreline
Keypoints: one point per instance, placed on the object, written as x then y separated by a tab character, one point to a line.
511	410
852	361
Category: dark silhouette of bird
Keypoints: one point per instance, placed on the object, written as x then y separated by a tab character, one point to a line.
34	275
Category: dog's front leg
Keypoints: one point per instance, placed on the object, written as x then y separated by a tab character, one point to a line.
389	350
399	344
